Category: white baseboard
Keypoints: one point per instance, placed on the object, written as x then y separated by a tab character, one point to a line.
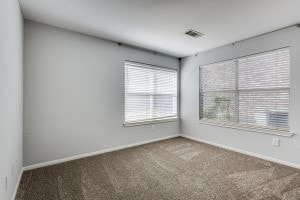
53	162
17	185
244	152
44	164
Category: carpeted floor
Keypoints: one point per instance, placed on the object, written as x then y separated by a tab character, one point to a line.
171	169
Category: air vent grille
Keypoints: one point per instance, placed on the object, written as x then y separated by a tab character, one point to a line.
193	33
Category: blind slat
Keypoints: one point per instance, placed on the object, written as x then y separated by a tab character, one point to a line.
150	92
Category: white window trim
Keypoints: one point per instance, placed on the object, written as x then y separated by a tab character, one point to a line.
249	128
257	129
152	121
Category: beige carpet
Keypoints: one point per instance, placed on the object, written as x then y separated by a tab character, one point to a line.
172	169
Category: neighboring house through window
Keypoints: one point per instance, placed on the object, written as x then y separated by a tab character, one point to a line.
252	91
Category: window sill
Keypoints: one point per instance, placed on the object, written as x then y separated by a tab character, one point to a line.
155	121
257	130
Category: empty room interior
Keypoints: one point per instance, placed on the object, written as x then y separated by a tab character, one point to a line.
149	100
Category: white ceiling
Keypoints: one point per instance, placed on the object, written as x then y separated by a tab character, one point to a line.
160	24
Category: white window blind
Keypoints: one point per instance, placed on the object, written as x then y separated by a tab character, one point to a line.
150	93
252	91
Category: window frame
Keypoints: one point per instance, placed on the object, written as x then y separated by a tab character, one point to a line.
236	124
151	120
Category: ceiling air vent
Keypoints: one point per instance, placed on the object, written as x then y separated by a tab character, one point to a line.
194	33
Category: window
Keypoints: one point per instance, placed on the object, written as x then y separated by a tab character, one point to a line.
251	92
150	93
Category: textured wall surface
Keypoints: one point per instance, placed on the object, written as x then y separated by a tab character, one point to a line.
74	94
11	97
259	143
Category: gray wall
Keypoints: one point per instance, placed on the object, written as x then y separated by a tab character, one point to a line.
74	94
289	149
11	97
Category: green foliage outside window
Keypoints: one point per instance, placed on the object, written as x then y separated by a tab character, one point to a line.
219	109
